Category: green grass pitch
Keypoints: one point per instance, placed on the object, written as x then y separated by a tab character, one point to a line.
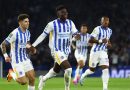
58	84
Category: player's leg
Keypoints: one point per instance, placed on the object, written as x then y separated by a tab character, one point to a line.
52	72
31	77
92	65
67	73
78	71
105	76
104	63
30	74
18	74
61	59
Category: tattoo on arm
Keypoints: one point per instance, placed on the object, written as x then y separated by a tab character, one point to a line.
3	47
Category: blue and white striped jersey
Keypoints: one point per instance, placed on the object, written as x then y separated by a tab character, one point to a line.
18	41
100	33
82	44
60	34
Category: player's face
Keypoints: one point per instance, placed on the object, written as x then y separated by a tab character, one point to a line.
62	14
105	22
24	23
84	29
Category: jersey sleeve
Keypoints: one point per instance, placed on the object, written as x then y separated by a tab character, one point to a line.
74	29
95	32
48	28
29	35
46	31
110	33
11	37
88	37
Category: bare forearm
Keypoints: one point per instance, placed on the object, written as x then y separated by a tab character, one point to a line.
109	45
3	47
73	45
93	41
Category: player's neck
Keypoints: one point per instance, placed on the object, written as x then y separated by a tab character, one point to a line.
104	27
61	20
22	29
83	33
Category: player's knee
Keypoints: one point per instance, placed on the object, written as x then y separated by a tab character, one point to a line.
23	82
68	71
104	66
92	69
56	70
81	64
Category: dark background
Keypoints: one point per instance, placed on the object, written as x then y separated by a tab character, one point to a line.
80	11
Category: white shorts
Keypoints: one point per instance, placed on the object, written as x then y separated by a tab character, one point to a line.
100	57
22	67
80	56
60	56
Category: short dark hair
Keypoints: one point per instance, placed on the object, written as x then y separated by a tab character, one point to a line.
60	7
22	17
83	25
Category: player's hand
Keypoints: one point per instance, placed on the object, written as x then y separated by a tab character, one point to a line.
77	36
30	49
109	45
7	59
104	40
28	46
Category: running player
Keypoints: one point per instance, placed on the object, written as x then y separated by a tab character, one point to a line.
81	51
23	71
61	31
100	39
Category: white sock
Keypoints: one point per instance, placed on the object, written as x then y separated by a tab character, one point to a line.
86	73
31	87
14	76
67	78
80	71
77	72
105	78
50	74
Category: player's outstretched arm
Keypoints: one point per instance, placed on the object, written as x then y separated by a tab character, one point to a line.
39	40
93	40
3	48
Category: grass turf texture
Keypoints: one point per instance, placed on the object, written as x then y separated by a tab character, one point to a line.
58	84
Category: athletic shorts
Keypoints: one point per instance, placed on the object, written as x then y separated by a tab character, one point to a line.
100	57
22	67
79	56
60	56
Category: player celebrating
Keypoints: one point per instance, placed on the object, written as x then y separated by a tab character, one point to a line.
81	51
21	64
61	31
100	39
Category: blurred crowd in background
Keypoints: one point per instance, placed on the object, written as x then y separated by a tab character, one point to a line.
80	11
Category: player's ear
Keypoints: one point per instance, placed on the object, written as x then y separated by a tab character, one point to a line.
19	22
58	13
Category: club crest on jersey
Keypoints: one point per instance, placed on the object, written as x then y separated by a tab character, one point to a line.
20	73
62	57
93	64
